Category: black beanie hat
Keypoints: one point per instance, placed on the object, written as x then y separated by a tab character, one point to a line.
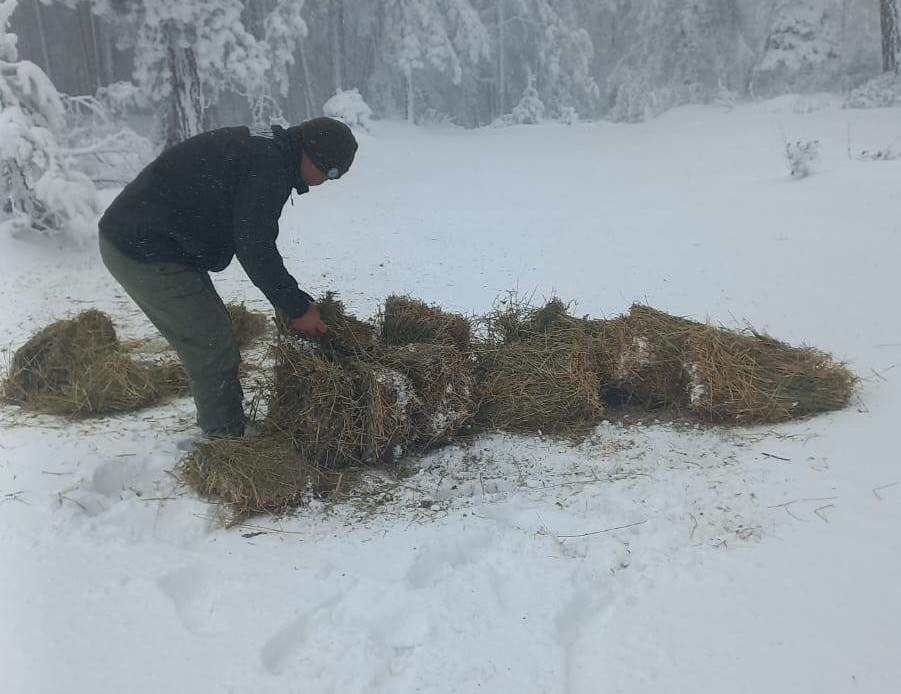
329	143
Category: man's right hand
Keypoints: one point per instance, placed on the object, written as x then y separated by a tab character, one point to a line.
309	323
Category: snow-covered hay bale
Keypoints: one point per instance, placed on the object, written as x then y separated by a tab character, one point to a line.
720	375
248	326
753	378
346	336
643	355
443	379
343	413
265	474
76	367
410	321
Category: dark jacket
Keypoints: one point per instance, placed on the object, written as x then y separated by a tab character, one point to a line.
212	197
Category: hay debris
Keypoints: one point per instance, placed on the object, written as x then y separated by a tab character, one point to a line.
76	367
343	413
443	379
248	326
406	320
265	474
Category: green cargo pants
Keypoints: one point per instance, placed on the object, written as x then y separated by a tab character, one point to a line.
184	306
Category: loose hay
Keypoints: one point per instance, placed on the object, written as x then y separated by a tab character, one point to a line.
340	414
410	321
265	474
443	379
75	367
248	326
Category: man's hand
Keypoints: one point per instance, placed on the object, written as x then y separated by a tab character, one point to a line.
310	323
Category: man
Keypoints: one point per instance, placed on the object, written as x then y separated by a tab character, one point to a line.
199	204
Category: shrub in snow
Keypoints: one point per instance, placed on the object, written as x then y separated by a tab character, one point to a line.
568	115
349	106
38	190
880	92
530	109
802	156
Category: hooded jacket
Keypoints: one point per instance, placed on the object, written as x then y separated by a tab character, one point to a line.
210	198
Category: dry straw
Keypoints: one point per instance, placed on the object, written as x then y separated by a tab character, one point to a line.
265	474
405	321
76	367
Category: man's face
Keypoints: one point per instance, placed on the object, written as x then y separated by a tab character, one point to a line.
311	175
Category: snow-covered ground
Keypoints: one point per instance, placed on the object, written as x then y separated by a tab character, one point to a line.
646	559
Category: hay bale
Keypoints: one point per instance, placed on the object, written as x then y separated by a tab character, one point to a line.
339	413
443	379
753	378
549	383
406	321
76	367
248	326
642	354
346	336
265	474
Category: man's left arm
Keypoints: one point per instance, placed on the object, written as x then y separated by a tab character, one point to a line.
257	208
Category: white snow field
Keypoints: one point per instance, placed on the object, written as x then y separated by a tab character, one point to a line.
647	559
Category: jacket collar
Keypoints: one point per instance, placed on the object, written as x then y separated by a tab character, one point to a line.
293	147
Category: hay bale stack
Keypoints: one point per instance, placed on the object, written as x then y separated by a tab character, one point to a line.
753	378
443	379
346	336
410	321
549	383
76	367
339	413
642	354
247	325
265	474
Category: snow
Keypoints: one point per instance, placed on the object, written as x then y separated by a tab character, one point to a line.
645	559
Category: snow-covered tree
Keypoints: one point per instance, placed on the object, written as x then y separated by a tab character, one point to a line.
187	53
39	193
544	40
802	47
681	51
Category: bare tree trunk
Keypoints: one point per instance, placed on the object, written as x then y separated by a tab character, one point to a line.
890	36
409	75
95	45
308	82
501	58
336	10
45	54
186	106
